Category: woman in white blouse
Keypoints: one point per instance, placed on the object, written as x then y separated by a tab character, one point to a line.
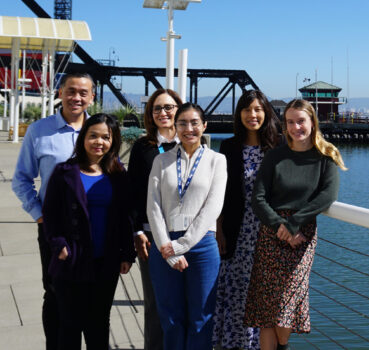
185	197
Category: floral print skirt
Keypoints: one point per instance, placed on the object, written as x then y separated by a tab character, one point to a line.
279	288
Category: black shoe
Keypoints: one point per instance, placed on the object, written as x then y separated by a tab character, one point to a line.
283	347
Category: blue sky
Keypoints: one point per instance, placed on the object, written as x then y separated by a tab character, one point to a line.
271	40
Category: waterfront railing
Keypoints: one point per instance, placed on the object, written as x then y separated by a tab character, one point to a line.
342	309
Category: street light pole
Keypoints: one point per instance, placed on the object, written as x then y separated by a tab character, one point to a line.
316	92
170	6
170	48
297	74
111	51
171	35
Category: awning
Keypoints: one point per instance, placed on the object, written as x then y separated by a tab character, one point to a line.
34	33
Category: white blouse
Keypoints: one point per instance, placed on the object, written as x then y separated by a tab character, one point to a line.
201	204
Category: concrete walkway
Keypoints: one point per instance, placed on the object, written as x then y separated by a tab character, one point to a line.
20	276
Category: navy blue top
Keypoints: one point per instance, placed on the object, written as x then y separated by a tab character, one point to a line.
99	195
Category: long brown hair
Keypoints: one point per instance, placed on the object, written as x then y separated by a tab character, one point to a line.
150	126
324	147
268	132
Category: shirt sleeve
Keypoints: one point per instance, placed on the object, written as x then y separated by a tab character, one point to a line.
27	169
209	212
154	212
325	195
261	194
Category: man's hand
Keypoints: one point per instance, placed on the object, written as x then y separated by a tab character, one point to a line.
142	246
40	220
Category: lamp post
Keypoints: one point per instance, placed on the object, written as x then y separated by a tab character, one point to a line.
306	80
316	92
297	74
112	56
169	5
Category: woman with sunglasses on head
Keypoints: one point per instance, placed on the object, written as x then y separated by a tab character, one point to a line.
295	183
86	221
256	132
160	137
185	197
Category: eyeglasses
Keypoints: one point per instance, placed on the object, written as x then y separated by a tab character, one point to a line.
167	108
183	125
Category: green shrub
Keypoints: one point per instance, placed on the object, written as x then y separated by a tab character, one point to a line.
124	112
130	135
32	112
94	109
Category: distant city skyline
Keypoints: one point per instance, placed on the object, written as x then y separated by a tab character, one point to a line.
278	43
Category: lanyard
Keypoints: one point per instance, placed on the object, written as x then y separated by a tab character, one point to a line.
161	149
181	192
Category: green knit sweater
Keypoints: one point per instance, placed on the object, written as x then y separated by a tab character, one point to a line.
303	181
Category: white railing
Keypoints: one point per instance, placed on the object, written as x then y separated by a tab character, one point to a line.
349	213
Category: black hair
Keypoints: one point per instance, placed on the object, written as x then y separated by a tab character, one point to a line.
188	106
67	76
268	132
110	162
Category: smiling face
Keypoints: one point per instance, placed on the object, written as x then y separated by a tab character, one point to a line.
252	117
190	128
98	141
164	109
76	95
299	127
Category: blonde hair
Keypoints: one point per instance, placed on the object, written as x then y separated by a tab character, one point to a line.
324	147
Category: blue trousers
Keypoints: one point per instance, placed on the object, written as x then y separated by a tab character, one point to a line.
186	300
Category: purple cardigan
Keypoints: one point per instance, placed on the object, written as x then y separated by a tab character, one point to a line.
66	224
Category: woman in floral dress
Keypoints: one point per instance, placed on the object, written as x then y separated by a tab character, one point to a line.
256	131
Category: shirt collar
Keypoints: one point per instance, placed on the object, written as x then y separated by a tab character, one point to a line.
60	121
161	139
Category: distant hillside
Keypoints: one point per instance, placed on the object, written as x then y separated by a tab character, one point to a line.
358	104
110	103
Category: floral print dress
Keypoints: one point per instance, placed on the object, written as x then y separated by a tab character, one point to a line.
234	276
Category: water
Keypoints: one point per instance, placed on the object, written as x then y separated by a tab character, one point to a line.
354	189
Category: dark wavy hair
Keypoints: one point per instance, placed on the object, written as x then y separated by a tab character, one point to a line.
188	106
150	126
110	162
268	132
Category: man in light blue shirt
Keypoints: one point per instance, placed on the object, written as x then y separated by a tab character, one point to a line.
48	142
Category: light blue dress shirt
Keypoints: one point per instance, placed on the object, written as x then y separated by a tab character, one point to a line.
48	141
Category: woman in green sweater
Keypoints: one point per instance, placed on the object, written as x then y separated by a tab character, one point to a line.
295	183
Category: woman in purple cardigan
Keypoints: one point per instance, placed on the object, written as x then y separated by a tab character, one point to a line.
87	225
